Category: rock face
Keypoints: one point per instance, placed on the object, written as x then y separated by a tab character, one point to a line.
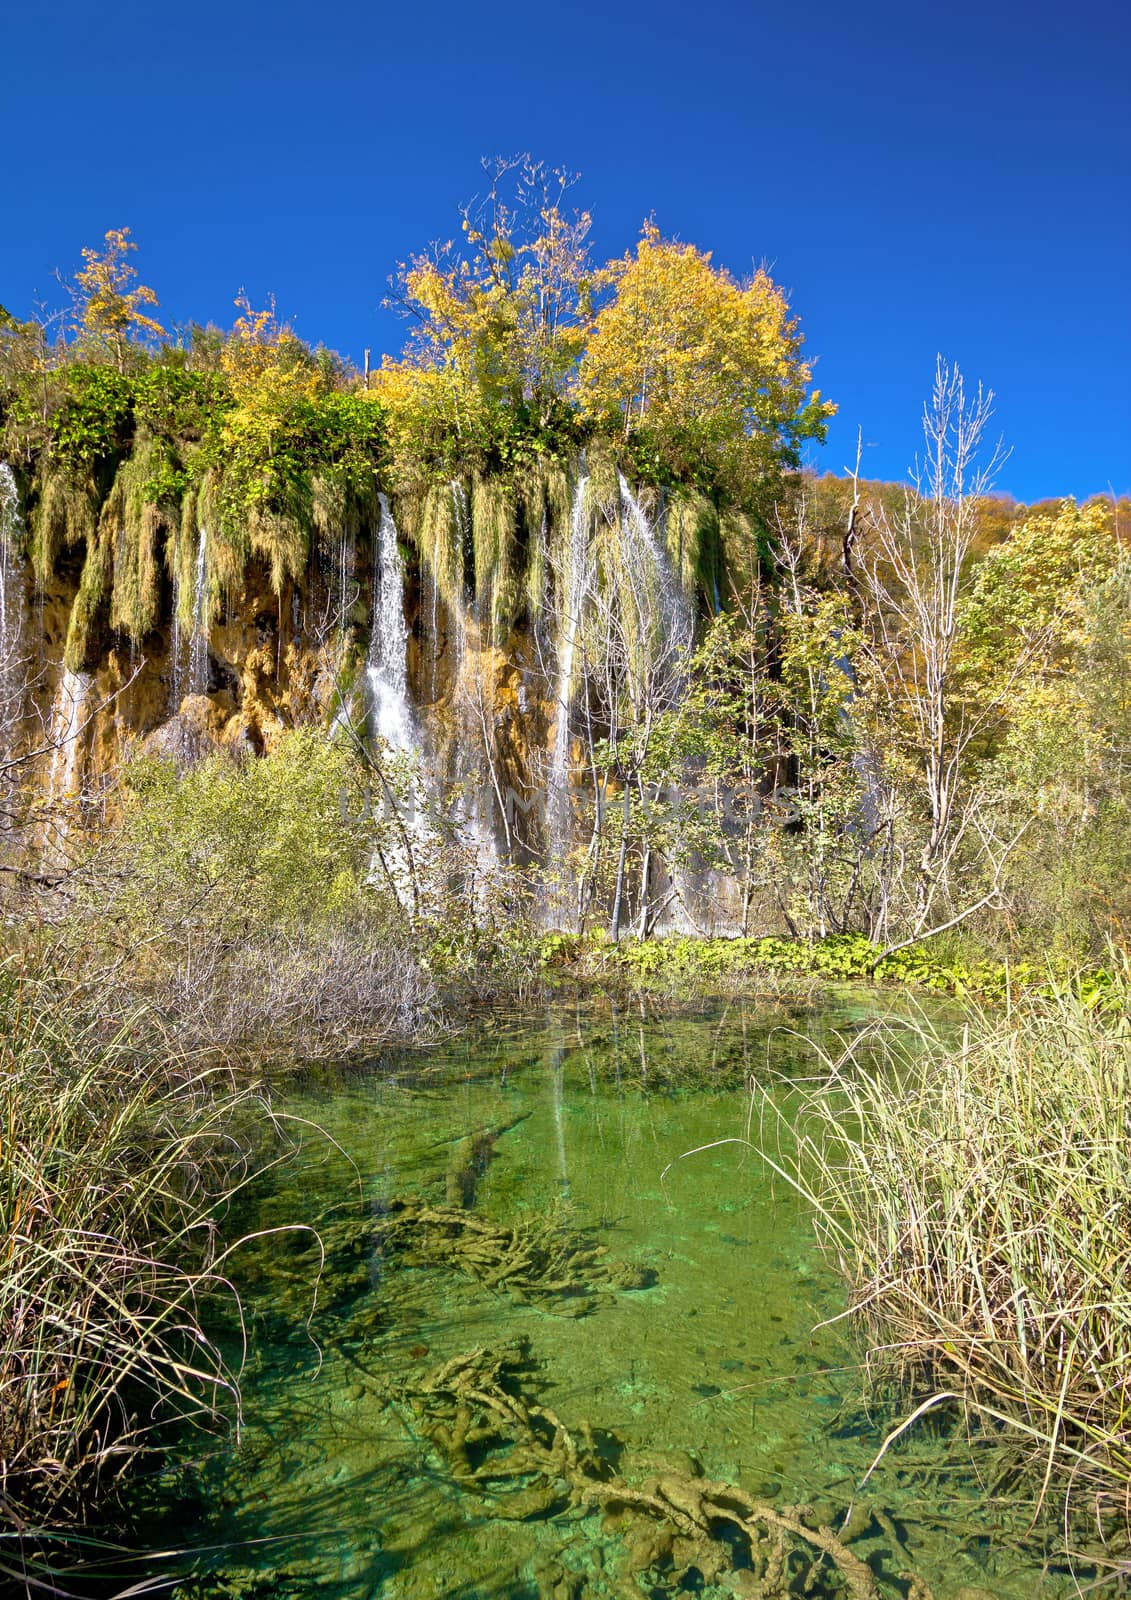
477	710
484	644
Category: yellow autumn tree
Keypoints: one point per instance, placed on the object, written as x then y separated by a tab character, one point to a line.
499	319
706	372
265	360
1024	621
109	306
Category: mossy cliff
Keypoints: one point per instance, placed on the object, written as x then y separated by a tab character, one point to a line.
152	606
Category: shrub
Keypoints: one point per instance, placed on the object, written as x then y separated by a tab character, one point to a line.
236	899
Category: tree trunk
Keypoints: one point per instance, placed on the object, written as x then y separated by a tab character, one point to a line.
618	896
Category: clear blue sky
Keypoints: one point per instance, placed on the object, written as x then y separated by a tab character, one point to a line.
951	178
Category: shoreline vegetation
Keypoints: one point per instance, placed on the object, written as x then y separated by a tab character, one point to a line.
682	964
654	665
121	1154
973	1192
967	1178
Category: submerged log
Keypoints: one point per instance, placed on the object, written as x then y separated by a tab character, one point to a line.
520	1459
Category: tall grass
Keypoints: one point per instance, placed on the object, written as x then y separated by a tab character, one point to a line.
115	1169
975	1188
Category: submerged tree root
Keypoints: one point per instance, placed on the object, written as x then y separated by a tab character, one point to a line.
680	1532
536	1262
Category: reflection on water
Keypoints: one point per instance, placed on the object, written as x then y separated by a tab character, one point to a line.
573	1127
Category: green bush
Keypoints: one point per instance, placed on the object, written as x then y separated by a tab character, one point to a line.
238	898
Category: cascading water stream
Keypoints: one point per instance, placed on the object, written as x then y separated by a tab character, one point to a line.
472	757
574	582
198	645
67	723
665	625
390	715
386	667
673	622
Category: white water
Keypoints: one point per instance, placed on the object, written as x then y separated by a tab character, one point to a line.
668	628
198	646
390	715
387	665
67	724
574	584
674	620
475	808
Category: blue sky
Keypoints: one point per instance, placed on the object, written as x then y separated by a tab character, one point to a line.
950	178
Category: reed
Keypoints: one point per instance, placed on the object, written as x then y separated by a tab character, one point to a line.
975	1189
115	1167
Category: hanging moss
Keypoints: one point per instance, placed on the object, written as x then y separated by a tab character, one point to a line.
343	504
494	539
65	515
604	487
137	522
440	541
710	565
328	508
739	540
691	540
408	510
93	584
281	540
628	623
180	554
546	504
228	545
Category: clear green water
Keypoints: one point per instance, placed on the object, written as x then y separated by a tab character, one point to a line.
332	1489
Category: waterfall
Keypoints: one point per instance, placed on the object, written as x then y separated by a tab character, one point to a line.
464	542
11	595
475	807
667	628
390	715
674	619
386	666
573	584
198	645
67	724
